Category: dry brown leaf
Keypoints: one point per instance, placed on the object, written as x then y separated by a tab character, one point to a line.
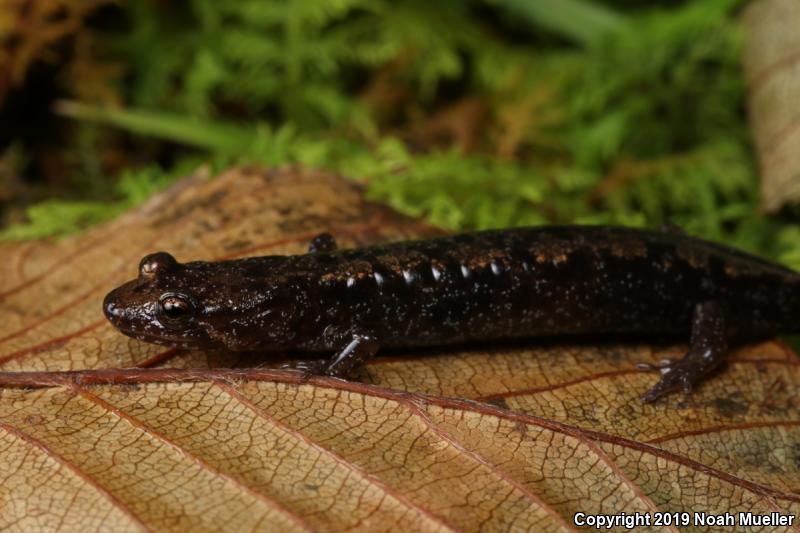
772	66
505	437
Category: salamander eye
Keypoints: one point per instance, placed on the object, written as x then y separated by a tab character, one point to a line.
174	307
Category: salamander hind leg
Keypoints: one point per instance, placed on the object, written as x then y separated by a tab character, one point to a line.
324	242
708	349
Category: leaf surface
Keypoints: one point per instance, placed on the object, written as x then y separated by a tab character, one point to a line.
99	430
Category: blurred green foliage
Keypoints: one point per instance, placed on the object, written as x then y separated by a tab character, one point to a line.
473	114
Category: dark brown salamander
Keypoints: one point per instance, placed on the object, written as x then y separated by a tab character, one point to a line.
478	286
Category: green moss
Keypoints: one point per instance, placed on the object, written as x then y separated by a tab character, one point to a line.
589	114
66	217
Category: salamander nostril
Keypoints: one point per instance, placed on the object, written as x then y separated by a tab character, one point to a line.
111	309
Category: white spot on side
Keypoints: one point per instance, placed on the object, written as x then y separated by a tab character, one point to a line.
497	268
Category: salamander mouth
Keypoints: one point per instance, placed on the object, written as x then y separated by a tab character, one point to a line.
162	340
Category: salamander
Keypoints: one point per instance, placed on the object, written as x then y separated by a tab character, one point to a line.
480	286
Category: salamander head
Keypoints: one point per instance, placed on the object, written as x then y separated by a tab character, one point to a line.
231	305
158	306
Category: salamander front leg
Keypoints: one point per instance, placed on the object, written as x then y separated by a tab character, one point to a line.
708	348
356	350
671	229
324	242
360	349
